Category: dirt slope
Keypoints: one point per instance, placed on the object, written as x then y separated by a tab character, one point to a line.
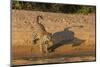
22	46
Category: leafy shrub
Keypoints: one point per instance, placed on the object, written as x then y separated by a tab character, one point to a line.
52	7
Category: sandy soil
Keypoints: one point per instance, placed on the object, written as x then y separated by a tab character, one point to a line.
23	51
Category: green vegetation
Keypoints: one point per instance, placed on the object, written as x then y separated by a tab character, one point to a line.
53	7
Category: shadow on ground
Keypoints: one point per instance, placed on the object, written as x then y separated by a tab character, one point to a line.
64	37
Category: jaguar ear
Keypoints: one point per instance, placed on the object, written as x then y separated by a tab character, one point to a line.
39	18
